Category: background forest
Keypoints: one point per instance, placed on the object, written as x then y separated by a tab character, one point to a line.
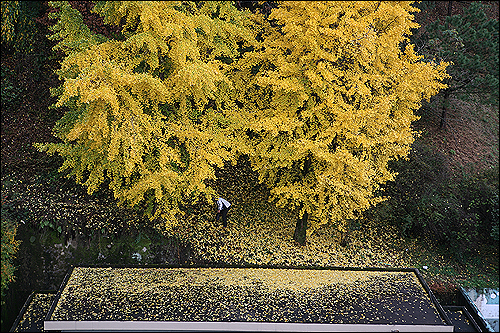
441	215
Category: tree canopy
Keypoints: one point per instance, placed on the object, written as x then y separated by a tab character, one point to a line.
469	42
330	96
149	110
319	95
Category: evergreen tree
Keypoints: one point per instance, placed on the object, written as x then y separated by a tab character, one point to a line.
469	41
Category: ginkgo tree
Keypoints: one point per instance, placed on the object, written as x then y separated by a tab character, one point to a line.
148	110
328	98
319	95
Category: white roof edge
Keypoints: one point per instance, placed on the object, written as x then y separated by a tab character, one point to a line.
204	326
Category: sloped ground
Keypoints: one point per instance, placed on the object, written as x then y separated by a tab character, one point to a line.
470	137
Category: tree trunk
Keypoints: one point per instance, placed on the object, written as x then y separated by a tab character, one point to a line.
444	111
344	236
447	91
300	230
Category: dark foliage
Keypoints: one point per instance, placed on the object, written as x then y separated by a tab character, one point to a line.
21	38
468	40
11	93
460	213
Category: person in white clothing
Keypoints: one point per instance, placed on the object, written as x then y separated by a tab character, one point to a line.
222	209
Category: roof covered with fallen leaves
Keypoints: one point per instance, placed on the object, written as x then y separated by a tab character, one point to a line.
33	314
246	294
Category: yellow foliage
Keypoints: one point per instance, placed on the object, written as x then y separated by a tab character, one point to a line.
342	93
320	101
10	245
139	104
10	14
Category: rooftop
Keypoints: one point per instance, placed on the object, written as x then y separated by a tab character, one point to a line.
34	311
104	297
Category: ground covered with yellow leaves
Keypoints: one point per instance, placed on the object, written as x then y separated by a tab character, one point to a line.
258	233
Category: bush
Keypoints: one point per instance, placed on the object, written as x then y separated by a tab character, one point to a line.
425	201
9	248
479	195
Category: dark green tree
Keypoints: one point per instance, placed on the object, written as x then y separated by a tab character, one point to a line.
18	26
469	41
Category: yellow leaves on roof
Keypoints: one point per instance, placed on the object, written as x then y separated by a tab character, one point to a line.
35	313
247	294
139	280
